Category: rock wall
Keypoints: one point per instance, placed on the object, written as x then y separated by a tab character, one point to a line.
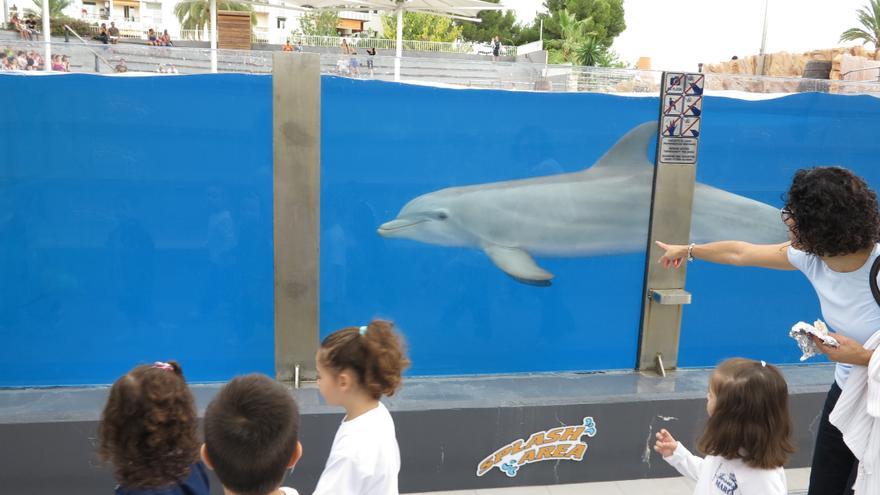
784	64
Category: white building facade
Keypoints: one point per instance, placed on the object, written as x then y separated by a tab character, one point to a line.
135	17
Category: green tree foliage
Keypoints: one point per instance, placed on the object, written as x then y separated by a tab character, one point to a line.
422	27
501	23
55	7
196	14
869	18
321	23
582	31
606	17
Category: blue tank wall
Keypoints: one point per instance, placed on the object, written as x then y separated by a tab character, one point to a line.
136	224
460	313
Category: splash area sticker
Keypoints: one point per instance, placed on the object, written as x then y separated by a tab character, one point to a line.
559	444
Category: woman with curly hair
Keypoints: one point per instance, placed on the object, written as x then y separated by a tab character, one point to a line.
834	227
148	432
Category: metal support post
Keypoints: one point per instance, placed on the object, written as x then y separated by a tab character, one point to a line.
296	115
681	103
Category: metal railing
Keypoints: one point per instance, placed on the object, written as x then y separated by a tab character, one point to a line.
465	47
435	71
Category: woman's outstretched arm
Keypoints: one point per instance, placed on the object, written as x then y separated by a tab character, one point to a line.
736	253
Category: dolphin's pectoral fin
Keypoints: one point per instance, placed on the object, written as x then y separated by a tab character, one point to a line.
518	264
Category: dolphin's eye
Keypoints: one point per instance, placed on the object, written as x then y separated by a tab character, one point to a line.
442	216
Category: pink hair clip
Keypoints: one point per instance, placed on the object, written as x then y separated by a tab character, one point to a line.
163	366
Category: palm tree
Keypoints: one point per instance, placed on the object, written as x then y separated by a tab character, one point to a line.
196	14
574	33
589	52
55	7
869	18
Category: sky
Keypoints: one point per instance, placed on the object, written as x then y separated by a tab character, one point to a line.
680	34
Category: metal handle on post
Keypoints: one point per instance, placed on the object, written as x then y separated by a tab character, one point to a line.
670	297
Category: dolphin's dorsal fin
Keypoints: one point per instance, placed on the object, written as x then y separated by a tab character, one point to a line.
518	264
631	150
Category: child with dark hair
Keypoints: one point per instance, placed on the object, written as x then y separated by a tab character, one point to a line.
747	438
148	432
356	367
252	436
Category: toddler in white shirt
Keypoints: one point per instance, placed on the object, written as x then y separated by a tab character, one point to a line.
747	438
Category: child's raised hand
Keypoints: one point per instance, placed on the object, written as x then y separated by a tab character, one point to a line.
665	444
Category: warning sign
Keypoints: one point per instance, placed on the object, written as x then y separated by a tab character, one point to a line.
674	105
671	126
693	106
694	84
675	83
678	150
690	127
681	108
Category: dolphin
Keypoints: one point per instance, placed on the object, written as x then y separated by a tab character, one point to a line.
601	210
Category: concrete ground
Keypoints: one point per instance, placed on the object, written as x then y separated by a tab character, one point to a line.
797	485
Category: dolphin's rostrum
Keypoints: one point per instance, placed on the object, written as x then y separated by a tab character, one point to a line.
601	210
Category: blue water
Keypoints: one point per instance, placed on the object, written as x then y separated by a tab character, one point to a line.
143	229
135	225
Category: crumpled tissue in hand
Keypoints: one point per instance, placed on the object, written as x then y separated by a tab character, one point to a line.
801	332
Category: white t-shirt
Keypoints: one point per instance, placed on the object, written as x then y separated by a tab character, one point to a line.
848	307
719	476
364	459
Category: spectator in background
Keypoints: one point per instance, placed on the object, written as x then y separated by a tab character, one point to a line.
371	52
152	39
20	27
39	61
103	36
165	39
31	26
299	46
353	62
113	33
345	48
496	48
287	47
66	61
57	66
121	67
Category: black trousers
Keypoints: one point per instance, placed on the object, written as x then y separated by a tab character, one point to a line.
834	467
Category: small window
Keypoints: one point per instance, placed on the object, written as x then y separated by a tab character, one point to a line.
281	22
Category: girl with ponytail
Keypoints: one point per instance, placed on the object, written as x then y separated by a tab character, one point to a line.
356	367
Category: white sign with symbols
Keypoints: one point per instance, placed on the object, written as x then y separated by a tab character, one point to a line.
674	105
693	106
671	126
690	127
678	150
694	84
681	111
675	83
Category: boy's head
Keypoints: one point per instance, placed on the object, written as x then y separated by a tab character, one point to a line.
252	435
